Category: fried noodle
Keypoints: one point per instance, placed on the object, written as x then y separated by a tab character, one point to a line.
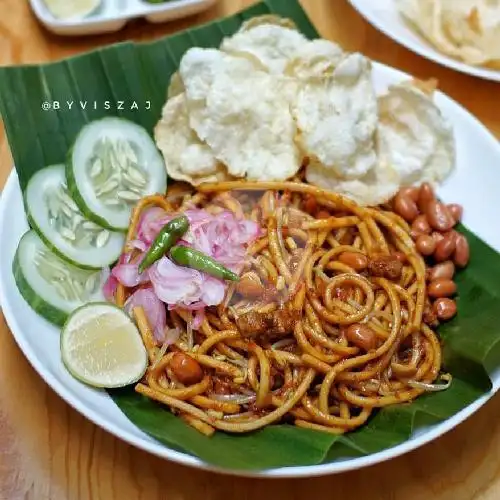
286	355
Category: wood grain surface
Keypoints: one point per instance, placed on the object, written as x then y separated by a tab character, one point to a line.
48	451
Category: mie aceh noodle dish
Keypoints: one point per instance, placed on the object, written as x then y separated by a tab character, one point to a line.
329	316
289	275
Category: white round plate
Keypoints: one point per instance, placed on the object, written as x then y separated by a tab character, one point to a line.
384	15
475	183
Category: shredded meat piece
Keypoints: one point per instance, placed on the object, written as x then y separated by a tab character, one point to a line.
269	324
385	266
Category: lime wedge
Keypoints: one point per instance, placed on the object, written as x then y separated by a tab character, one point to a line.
69	9
101	346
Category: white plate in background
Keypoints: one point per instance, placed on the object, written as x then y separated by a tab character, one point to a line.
475	183
113	15
384	16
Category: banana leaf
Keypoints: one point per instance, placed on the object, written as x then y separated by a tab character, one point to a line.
130	73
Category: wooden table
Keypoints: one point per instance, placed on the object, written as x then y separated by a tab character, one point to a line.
48	451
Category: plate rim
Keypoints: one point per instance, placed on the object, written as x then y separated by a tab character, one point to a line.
162	450
427	52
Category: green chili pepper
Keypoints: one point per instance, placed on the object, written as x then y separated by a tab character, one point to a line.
166	239
189	257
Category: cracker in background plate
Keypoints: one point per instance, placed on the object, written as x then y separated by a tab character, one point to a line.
465	29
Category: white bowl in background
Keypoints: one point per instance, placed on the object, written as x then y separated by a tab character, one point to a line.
113	15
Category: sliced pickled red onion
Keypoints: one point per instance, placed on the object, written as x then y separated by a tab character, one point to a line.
221	236
153	308
185	287
138	244
109	288
199	317
213	291
174	284
150	223
128	275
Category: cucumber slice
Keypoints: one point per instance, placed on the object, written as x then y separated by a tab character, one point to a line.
61	225
52	287
112	165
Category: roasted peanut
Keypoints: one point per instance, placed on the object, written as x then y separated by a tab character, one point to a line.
386	266
410	192
186	369
415	234
446	247
462	251
421	225
444	270
405	207
441	288
456	211
437	236
361	336
445	308
357	261
438	216
425	244
425	196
